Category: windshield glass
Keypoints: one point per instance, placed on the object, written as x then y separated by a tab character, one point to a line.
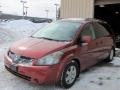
60	31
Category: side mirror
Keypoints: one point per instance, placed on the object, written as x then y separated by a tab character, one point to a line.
86	39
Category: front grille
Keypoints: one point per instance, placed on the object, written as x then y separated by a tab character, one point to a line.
17	59
17	74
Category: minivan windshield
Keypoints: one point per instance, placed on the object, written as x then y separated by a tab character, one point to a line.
58	31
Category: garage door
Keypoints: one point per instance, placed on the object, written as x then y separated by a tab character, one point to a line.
103	2
77	9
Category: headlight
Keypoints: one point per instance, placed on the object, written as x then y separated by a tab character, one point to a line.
17	59
50	59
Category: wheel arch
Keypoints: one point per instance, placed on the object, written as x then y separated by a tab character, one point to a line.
67	62
78	62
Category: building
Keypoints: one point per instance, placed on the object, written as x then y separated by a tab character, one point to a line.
107	10
82	8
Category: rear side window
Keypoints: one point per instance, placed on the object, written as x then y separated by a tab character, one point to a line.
88	31
108	27
100	30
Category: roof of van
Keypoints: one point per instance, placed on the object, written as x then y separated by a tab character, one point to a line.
83	20
73	19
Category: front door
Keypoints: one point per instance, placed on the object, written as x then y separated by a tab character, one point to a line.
87	51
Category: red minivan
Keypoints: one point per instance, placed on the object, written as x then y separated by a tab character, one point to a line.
60	51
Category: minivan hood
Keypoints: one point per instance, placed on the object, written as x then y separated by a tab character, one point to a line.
36	48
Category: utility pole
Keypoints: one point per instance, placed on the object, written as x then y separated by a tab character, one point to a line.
0	10
23	2
0	6
56	5
0	13
26	10
47	11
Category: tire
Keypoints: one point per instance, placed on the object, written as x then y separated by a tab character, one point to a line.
69	75
111	55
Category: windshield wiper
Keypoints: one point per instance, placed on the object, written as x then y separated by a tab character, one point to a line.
47	38
50	39
54	39
41	38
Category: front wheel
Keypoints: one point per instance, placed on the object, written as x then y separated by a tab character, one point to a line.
111	55
69	75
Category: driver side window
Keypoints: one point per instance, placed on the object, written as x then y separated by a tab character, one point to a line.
88	31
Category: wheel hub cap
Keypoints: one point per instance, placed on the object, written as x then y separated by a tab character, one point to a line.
70	75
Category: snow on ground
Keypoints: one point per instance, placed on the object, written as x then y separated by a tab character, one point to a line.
6	35
22	28
103	76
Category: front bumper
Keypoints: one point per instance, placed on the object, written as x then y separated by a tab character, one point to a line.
35	74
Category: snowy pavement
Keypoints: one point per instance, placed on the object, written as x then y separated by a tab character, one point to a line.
103	76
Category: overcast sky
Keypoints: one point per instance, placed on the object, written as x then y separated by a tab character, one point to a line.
36	7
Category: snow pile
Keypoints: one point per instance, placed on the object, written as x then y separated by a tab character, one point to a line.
6	36
22	28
